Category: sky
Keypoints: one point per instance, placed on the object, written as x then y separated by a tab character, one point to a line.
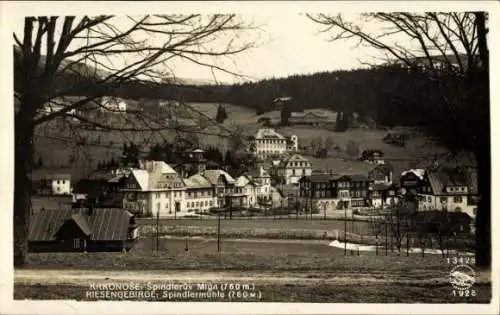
288	43
285	44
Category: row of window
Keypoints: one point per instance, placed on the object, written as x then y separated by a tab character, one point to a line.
427	189
298	164
166	194
456	199
344	194
295	171
335	185
197	194
269	151
197	204
270	141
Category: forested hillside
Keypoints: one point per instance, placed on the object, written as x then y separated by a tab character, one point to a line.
390	95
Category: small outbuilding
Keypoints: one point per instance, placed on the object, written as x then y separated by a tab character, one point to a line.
82	230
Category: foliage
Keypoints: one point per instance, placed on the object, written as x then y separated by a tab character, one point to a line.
79	67
221	115
342	122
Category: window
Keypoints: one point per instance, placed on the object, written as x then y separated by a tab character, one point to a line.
457	199
429	199
443	199
76	243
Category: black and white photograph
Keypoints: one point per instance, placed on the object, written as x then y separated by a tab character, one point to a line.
249	152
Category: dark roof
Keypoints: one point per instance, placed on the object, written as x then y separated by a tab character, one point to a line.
50	174
102	225
320	178
82	222
383	186
359	178
89	186
446	177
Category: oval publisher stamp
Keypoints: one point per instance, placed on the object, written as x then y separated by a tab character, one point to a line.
462	277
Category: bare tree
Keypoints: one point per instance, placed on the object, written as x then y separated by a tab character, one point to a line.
329	144
91	57
450	50
315	144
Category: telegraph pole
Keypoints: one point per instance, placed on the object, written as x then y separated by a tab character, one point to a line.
157	230
345	230
218	227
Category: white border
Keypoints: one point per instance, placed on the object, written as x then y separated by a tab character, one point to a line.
10	11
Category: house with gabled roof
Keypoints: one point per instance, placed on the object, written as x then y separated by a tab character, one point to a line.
82	230
248	190
56	184
200	195
154	189
267	142
328	191
451	189
260	176
291	169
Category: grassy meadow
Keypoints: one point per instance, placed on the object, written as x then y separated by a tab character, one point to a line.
281	272
314	258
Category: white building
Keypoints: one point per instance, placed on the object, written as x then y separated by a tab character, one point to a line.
262	179
267	142
157	188
208	189
249	190
60	184
154	188
291	169
199	194
450	189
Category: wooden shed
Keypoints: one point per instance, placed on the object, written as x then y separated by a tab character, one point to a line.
82	230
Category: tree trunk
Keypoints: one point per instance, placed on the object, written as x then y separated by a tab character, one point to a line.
22	188
483	152
483	216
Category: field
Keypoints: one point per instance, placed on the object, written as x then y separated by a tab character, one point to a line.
79	155
280	271
271	229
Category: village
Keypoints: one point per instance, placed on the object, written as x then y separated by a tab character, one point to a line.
346	159
280	181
